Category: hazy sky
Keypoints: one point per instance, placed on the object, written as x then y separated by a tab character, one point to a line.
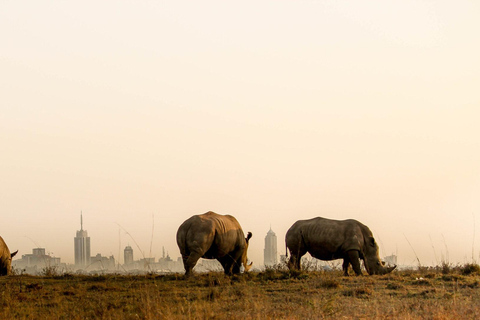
144	113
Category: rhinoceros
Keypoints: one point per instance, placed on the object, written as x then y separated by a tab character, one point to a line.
213	236
327	239
5	259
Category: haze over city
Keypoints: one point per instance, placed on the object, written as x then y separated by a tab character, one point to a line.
141	114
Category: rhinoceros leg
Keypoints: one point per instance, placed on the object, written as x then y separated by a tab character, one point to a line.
190	261
346	263
227	264
354	259
296	245
231	264
295	258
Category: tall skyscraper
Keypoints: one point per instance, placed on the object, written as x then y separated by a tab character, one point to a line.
270	251
82	247
128	255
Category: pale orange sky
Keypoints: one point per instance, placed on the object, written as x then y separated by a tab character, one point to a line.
143	113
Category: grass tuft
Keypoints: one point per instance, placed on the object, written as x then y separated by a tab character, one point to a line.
470	268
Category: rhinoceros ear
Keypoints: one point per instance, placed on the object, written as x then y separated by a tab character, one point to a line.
13	254
249	235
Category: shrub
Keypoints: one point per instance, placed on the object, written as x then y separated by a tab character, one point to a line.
50	271
470	268
446	268
329	284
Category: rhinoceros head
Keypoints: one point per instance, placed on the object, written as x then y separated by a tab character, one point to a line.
6	264
373	264
243	258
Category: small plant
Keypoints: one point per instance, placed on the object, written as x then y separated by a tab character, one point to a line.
270	273
470	268
213	294
214	279
362	292
329	283
394	286
446	267
18	272
50	271
295	274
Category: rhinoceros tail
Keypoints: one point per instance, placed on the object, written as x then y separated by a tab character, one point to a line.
286	248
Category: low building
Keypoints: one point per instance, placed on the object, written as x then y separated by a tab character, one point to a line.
164	265
101	263
38	262
391	260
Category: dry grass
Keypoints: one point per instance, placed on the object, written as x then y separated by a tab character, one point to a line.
274	294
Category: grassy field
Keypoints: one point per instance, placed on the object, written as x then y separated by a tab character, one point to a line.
428	293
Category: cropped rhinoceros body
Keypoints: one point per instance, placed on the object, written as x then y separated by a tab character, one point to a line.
5	258
213	236
327	239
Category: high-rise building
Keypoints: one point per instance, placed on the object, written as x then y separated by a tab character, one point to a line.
270	251
128	255
82	247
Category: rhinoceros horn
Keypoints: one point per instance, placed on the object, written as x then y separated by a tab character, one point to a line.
390	269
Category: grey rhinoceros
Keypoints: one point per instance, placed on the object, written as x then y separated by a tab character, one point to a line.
213	236
5	259
327	239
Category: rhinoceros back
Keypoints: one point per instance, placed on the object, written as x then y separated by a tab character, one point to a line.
213	234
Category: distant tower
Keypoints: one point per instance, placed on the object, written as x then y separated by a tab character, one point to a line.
128	255
82	247
270	251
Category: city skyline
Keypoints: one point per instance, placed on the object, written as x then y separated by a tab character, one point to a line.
155	250
39	261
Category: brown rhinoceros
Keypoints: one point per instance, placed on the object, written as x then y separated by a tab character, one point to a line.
213	236
5	259
327	239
